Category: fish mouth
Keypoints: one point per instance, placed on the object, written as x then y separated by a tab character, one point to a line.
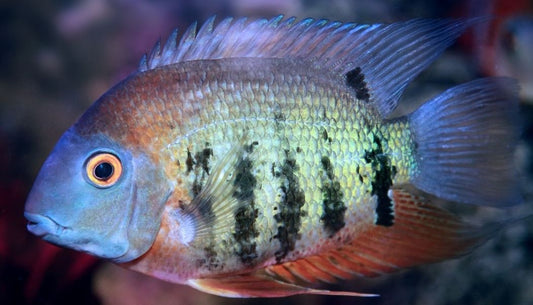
43	225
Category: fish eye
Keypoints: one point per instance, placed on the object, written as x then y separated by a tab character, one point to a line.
103	169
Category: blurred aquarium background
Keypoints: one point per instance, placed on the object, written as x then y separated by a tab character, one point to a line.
57	57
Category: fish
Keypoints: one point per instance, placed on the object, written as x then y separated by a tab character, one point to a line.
264	158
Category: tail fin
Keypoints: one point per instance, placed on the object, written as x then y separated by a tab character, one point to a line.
465	139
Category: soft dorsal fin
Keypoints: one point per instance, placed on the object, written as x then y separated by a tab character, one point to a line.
387	56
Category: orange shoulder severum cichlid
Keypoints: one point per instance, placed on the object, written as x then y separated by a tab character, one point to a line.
259	158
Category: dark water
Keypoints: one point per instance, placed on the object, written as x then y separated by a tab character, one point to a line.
57	57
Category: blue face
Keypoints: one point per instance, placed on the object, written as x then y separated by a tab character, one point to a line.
94	196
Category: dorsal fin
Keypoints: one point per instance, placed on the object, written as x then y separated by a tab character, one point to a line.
387	56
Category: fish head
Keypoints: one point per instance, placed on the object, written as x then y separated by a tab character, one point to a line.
94	195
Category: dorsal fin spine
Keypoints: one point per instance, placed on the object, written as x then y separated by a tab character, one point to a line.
219	33
155	53
186	41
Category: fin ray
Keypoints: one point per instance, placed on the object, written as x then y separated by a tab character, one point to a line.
260	285
465	140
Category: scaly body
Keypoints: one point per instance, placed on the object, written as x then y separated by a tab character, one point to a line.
310	154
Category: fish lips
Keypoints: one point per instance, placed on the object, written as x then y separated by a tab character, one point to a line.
53	232
43	226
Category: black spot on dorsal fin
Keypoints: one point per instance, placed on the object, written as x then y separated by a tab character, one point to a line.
356	79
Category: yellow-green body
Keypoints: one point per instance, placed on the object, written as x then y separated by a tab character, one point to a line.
286	110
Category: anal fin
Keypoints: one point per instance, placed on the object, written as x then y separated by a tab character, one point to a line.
260	285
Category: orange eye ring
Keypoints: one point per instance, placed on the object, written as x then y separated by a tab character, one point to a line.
103	169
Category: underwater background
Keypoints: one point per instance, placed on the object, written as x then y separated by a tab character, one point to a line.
57	57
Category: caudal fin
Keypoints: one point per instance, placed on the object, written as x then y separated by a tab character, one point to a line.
465	139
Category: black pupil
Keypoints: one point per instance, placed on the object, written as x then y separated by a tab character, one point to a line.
103	171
